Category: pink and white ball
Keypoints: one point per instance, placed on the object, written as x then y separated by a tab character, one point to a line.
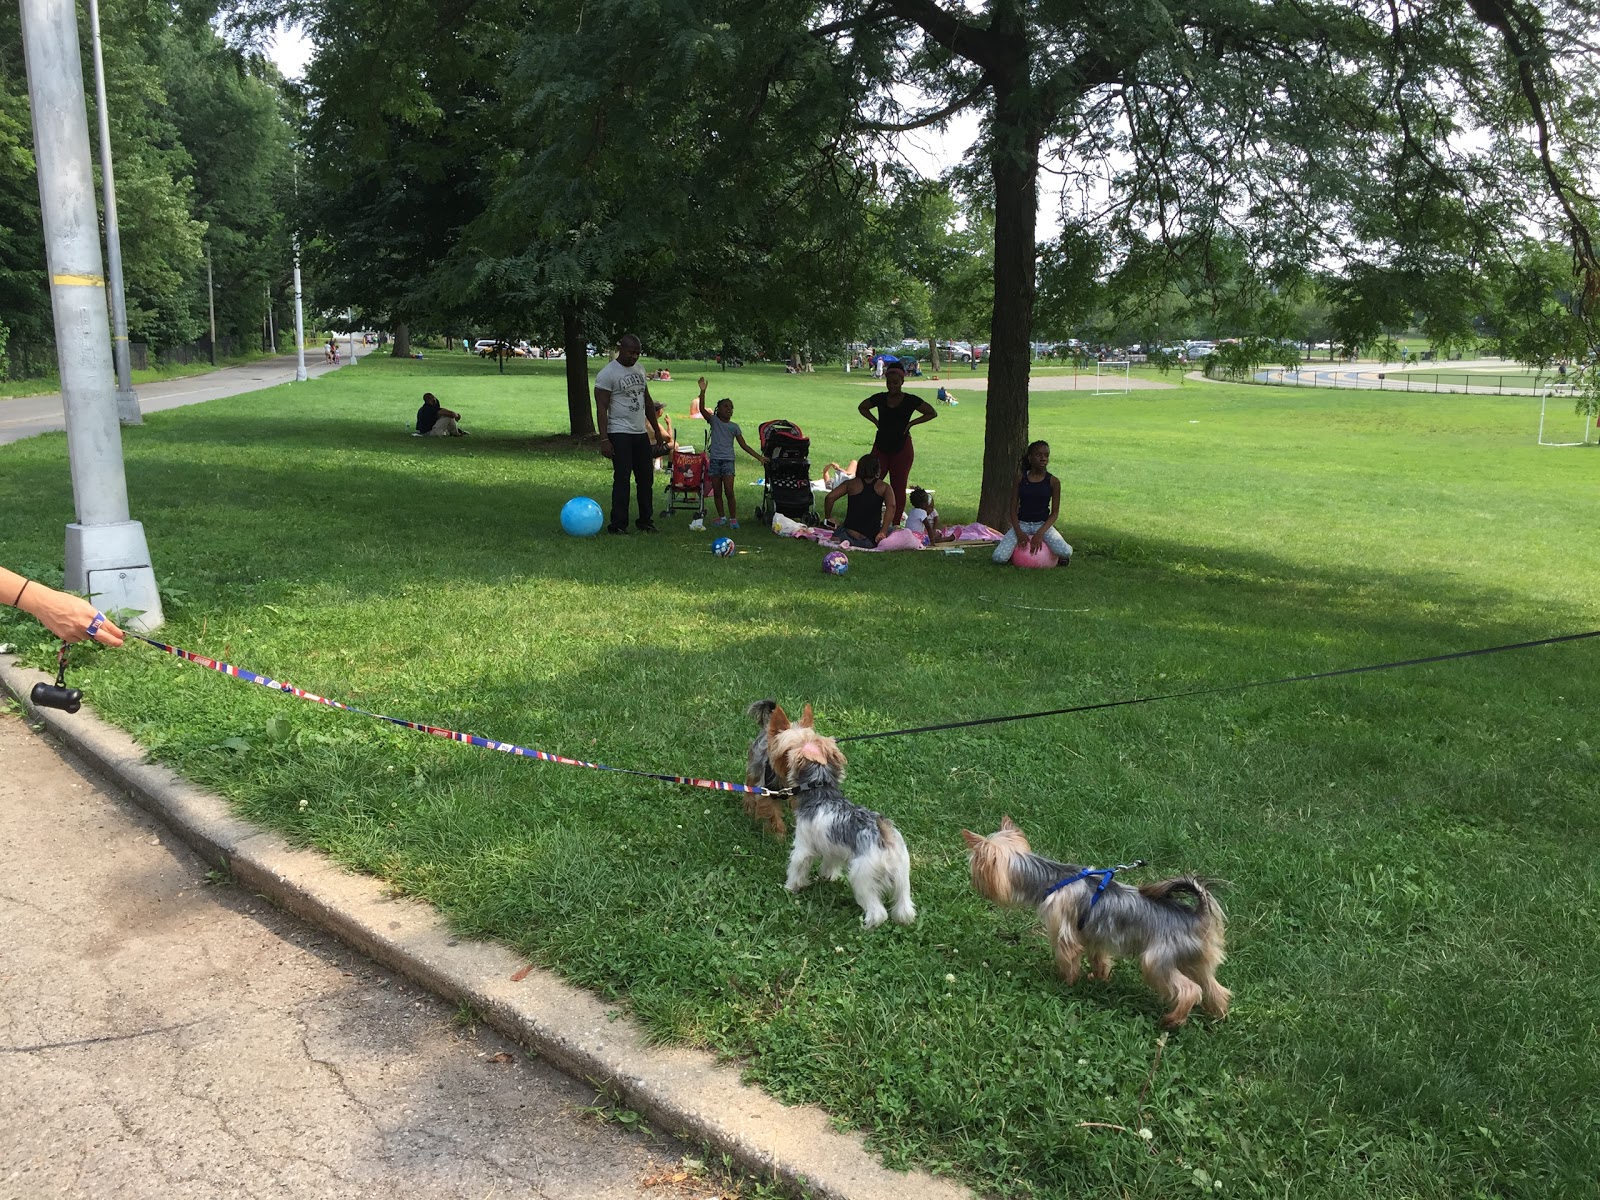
1023	556
835	562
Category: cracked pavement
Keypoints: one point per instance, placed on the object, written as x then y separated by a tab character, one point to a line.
164	1036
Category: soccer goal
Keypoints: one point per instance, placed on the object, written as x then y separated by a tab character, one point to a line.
1105	378
1561	393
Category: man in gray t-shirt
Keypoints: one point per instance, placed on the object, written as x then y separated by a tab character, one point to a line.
626	418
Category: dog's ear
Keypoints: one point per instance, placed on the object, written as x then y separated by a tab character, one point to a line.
805	718
1008	823
973	840
778	721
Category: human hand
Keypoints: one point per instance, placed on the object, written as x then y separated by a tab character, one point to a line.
702	382
69	617
1036	543
605	446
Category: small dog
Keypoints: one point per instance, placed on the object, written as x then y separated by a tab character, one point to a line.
1179	946
849	840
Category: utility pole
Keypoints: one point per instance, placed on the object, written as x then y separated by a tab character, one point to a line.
299	310
211	304
127	402
272	333
106	553
352	315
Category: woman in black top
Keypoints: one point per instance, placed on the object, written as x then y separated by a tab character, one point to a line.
867	505
894	412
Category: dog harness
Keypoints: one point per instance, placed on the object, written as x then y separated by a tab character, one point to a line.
1105	874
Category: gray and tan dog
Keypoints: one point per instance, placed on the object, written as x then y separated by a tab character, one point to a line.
836	834
1179	946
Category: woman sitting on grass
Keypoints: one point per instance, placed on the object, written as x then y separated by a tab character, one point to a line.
869	504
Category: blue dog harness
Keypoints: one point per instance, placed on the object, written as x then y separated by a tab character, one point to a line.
1105	874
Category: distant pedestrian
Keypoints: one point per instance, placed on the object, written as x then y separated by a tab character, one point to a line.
625	415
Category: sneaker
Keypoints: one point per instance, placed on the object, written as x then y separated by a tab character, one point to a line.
719	522
648	527
733	524
619	530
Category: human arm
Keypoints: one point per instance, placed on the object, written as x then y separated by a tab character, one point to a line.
602	406
865	409
925	413
650	416
1014	517
887	494
827	505
65	615
757	455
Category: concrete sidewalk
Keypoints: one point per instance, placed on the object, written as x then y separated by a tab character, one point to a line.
25	416
351	1104
167	1035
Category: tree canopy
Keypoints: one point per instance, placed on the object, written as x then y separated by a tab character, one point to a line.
712	170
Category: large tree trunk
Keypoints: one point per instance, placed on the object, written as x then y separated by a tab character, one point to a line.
580	403
1015	164
402	341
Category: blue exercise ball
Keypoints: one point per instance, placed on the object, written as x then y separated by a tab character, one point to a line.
582	517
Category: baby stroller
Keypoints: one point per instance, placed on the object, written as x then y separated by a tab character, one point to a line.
686	482
787	487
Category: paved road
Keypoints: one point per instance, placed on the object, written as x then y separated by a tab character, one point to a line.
1480	376
25	416
161	1036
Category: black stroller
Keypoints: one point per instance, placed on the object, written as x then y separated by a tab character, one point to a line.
787	487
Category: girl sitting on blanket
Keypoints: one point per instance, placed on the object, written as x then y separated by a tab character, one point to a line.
868	505
922	518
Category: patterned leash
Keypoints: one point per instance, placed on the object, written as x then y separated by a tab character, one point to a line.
470	739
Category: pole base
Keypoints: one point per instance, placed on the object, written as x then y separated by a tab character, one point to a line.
128	408
111	563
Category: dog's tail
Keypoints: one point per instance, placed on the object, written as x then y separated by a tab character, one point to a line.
761	710
1205	910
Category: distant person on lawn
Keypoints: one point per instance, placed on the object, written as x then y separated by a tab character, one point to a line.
625	414
434	421
894	412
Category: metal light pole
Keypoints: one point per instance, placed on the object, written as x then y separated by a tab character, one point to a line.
106	553
352	334
127	402
299	320
211	305
299	310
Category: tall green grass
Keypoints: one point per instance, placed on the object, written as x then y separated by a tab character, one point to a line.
1408	856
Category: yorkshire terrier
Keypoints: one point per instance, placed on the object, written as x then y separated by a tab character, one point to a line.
1179	946
848	839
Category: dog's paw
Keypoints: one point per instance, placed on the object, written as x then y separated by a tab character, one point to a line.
906	914
874	918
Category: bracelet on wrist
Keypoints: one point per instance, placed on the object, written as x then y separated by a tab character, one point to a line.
17	603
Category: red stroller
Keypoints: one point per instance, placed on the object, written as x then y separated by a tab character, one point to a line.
687	481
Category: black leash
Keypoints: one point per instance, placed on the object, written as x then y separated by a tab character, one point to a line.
1228	687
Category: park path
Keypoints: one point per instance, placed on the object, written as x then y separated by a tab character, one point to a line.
169	1035
26	416
1477	376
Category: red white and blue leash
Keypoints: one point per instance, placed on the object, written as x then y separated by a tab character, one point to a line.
470	739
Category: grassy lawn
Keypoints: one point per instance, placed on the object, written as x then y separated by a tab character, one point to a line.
1411	879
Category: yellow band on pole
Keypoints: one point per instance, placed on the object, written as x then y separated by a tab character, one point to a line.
79	280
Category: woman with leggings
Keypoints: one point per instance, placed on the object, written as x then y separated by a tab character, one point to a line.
894	412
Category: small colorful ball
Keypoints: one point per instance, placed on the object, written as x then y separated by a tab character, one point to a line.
723	547
835	562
